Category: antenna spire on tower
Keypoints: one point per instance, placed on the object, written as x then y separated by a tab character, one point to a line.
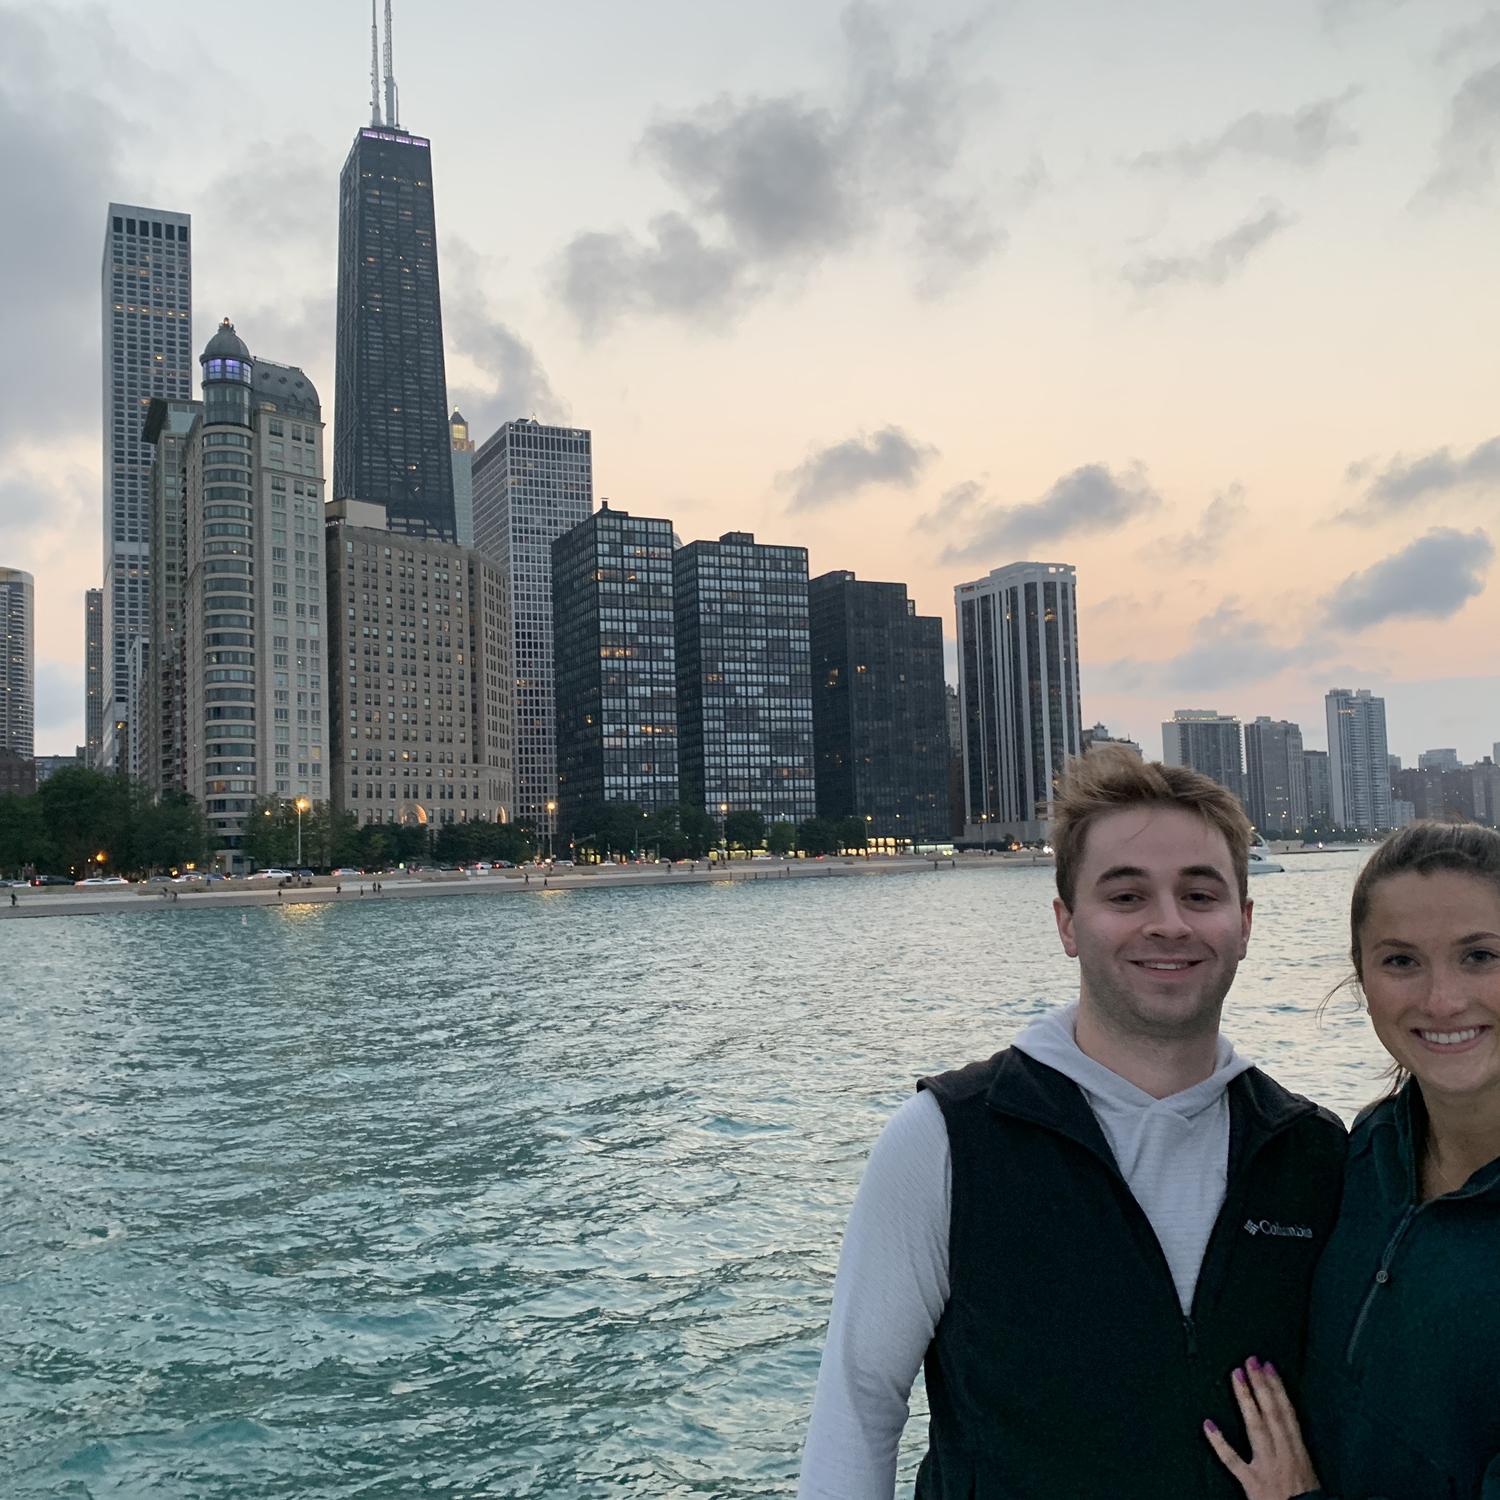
374	69
391	117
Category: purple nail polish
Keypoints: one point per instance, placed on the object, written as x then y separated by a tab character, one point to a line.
1210	1426
1269	1368
1239	1376
1252	1363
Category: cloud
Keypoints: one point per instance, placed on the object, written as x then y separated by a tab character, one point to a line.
956	502
1091	498
1227	648
1466	153
1405	483
885	457
1479	35
1432	579
1206	540
1217	261
1301	139
769	187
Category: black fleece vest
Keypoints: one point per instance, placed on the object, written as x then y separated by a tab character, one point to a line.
1063	1367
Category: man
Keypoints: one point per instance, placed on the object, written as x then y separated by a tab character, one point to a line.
1083	1236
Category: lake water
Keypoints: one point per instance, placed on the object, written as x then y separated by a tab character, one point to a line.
535	1195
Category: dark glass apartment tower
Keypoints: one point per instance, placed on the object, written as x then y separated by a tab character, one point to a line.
744	678
391	439
880	713
616	664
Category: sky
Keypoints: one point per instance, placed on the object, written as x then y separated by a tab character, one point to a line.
1195	295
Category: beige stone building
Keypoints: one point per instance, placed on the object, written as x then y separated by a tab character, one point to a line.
422	672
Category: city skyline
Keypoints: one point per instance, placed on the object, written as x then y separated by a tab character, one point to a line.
1135	275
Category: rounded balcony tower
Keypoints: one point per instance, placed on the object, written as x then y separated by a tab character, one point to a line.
227	373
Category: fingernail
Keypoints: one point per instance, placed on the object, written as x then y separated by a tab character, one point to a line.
1252	1363
1210	1426
1269	1368
1239	1376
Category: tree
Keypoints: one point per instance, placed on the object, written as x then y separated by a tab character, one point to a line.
24	844
87	813
781	838
271	834
853	833
745	830
818	836
699	831
169	834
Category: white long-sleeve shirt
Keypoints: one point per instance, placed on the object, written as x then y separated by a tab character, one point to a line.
892	1282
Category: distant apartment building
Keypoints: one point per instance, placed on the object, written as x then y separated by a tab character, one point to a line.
1319	799
161	735
421	673
1438	760
463	478
744	683
880	710
1209	742
1275	775
616	665
147	325
17	663
254	640
48	766
1018	682
93	675
1359	782
532	483
1098	734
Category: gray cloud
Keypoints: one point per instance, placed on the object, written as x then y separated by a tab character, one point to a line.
1478	35
1217	261
1206	540
956	502
1089	499
1302	139
1466	153
769	187
1432	578
885	457
1228	648
1404	483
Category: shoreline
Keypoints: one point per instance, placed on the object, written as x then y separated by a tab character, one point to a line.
75	902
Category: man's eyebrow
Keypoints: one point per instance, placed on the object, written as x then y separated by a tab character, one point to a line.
1135	872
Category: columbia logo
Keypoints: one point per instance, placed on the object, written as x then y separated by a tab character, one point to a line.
1281	1231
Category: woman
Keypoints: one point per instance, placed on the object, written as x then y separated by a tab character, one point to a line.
1402	1388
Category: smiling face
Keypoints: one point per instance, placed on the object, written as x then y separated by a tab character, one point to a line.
1429	962
1156	924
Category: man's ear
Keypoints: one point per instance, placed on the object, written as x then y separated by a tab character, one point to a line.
1249	911
1065	926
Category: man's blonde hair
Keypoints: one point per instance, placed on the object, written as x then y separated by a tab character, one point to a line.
1110	778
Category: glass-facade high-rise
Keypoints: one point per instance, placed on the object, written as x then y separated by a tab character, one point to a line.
744	678
93	675
391	440
147	296
1207	741
616	665
1018	683
1275	775
532	483
880	711
1359	775
17	663
463	478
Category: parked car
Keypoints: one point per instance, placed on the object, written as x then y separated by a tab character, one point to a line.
270	875
159	880
346	871
51	880
102	880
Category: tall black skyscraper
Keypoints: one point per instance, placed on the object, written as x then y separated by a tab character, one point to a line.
391	439
880	711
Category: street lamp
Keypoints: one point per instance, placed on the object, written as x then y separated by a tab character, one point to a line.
551	810
724	829
302	805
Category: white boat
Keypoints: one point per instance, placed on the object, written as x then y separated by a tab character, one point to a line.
1261	862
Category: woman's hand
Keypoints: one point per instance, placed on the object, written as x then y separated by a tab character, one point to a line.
1279	1468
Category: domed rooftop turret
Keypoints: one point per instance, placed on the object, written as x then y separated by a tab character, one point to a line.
226	344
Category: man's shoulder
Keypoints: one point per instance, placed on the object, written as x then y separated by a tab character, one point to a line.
971	1081
1277	1105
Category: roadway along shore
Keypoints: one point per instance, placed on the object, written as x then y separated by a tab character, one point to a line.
77	901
